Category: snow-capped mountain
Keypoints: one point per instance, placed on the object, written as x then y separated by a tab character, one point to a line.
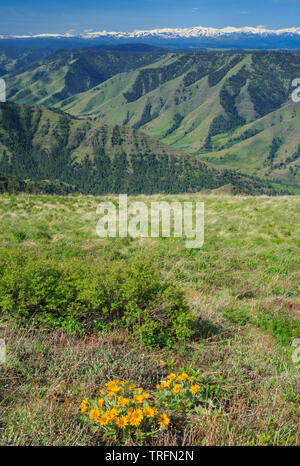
170	33
187	33
244	37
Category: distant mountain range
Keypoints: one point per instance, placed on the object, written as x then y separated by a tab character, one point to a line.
205	37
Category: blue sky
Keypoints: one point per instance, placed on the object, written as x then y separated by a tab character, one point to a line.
41	16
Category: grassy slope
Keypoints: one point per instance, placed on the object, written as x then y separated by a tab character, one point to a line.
249	155
66	73
249	265
112	106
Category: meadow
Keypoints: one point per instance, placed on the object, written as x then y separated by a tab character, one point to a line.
78	312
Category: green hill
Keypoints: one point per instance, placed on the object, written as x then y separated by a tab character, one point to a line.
37	143
233	109
67	73
14	58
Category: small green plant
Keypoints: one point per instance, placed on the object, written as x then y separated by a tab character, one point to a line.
180	393
20	235
159	341
237	316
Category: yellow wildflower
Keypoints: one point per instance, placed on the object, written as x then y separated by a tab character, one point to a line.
94	414
100	402
115	388
105	418
165	384
84	406
111	383
113	413
149	412
172	376
176	388
164	421
138	399
123	401
194	389
135	417
122	422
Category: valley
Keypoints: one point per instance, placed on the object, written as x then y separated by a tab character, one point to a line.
228	109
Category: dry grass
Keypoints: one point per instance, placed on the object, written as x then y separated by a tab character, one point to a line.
48	374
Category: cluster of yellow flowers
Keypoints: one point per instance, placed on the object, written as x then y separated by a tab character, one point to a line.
125	407
178	392
176	387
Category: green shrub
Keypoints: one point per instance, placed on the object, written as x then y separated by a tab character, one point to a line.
20	236
76	295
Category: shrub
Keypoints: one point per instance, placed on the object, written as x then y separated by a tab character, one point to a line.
75	295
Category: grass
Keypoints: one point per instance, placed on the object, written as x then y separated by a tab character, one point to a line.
242	288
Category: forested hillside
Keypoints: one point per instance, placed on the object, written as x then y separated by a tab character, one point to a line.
233	109
41	144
